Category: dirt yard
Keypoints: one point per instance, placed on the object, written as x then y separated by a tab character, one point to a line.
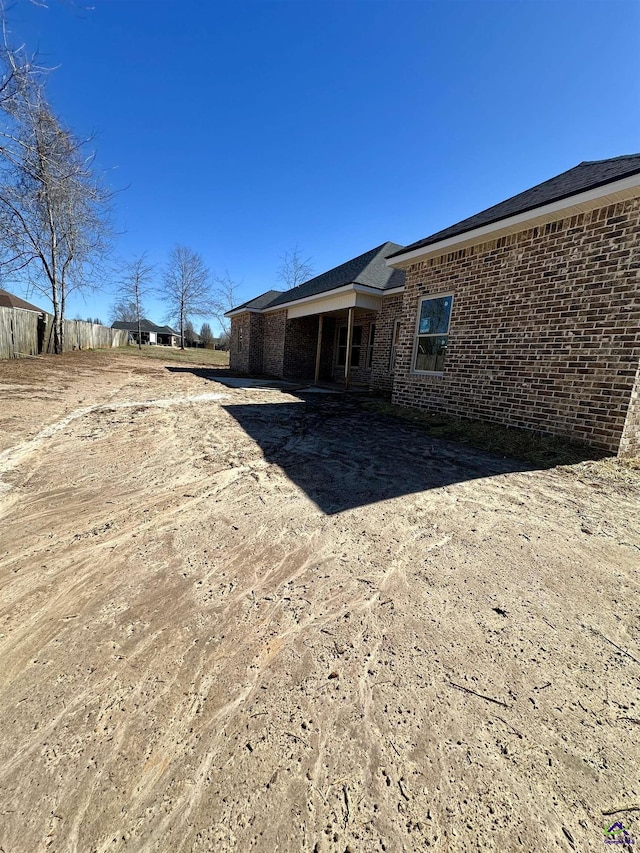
237	619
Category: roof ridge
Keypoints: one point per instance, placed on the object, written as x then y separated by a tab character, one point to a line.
608	159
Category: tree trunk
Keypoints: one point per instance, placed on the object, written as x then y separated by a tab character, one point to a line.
57	324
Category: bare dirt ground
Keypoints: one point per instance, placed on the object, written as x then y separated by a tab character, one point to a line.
262	623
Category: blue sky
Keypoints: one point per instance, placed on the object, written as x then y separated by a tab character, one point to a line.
244	128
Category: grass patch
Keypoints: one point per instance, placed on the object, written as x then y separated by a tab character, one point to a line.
539	450
193	355
612	470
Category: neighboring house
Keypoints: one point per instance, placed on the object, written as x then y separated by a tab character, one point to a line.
150	333
168	337
8	300
527	314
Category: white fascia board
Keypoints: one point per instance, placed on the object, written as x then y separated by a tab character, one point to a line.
583	202
237	311
393	290
314	297
318	297
364	288
326	294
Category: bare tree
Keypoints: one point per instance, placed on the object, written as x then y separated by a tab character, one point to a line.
135	284
294	269
124	310
186	287
224	299
54	222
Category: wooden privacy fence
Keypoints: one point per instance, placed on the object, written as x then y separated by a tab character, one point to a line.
24	333
80	335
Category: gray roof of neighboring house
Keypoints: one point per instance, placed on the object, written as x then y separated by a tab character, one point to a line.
368	269
585	176
258	302
9	300
145	326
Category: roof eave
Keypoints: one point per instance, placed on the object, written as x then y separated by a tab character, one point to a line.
582	202
235	311
324	294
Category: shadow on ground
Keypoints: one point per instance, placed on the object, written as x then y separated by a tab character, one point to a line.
343	457
345	454
211	373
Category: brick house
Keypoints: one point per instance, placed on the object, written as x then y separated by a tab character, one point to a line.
305	333
526	314
150	333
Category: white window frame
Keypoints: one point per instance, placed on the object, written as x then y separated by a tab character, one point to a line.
417	335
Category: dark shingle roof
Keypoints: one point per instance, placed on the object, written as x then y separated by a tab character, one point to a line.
258	302
145	326
167	330
8	300
585	176
368	269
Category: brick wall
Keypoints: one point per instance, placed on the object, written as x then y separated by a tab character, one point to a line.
545	328
246	344
239	344
256	342
381	376
273	348
300	347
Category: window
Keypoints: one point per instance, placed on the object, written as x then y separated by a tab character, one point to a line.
432	334
356	344
372	334
394	345
239	338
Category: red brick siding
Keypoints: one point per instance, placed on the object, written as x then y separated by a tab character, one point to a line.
545	327
249	358
239	358
381	377
300	347
273	347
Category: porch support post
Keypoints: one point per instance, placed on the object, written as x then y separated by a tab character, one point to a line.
318	348
347	361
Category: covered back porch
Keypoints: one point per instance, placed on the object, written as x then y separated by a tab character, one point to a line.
331	339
